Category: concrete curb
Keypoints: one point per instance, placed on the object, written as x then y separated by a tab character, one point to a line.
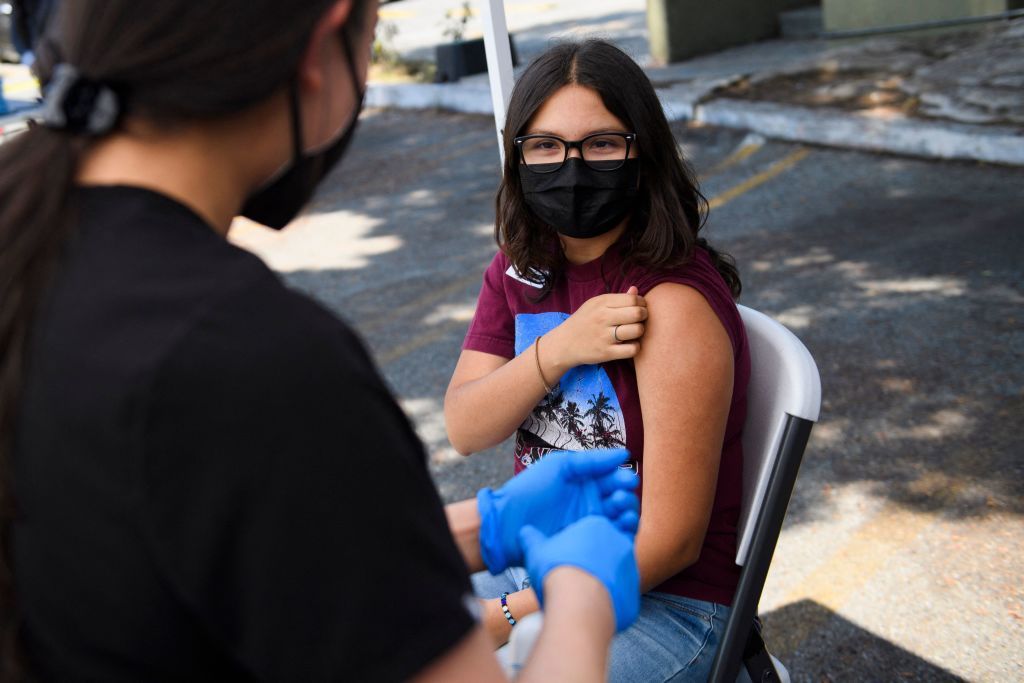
465	98
893	134
896	134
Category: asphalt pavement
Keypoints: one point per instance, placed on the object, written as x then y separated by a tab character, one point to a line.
901	554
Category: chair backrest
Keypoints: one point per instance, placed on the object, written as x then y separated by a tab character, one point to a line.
784	382
783	400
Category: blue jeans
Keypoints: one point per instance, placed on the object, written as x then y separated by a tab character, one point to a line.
673	639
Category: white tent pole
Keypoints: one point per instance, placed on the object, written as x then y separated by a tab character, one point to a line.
499	62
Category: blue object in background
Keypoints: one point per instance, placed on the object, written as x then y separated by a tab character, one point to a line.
3	102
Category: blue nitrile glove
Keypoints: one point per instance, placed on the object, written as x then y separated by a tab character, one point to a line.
598	547
555	492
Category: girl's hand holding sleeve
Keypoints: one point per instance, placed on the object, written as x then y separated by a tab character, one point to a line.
605	328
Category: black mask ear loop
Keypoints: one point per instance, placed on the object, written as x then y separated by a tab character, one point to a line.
293	107
298	149
353	72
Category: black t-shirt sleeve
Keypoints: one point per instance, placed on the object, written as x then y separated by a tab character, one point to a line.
287	500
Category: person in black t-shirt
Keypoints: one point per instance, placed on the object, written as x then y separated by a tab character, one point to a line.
203	476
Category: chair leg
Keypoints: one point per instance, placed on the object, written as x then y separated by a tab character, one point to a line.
758	662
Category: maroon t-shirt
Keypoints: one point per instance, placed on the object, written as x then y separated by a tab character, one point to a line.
598	406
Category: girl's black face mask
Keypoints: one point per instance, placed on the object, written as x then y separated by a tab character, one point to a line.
580	201
282	198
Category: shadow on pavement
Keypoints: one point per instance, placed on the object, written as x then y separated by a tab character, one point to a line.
816	644
908	293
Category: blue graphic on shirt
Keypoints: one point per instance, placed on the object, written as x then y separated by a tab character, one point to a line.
582	412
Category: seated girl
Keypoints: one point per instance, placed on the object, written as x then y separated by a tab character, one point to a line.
605	320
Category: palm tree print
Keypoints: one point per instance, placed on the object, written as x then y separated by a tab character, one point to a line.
547	414
550	407
603	431
607	438
599	412
572	421
597	427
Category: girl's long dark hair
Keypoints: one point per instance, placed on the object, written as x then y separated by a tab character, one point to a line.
670	212
172	61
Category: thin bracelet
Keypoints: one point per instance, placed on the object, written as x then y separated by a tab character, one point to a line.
504	608
536	355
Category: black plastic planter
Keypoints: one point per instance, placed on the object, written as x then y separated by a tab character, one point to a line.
464	58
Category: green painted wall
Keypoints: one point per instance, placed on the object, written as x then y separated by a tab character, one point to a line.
680	29
851	15
684	28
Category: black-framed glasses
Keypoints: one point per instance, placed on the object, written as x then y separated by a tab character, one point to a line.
601	151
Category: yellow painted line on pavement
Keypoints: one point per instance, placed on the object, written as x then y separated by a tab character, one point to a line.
736	157
432	335
427	299
843	576
761	178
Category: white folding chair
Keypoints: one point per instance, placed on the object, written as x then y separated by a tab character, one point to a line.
783	400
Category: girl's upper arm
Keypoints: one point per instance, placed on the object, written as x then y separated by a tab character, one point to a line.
685	380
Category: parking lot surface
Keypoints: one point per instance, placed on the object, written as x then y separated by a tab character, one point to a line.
901	554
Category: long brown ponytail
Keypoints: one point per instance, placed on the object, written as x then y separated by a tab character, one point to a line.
172	61
36	170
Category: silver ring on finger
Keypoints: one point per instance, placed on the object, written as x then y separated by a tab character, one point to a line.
615	334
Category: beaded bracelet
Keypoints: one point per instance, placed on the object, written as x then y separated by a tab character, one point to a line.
504	608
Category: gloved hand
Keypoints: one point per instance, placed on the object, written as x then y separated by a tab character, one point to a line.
555	492
599	548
